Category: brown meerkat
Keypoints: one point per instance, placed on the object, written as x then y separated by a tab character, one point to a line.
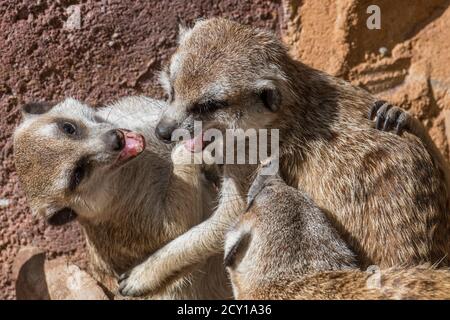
284	247
77	162
386	194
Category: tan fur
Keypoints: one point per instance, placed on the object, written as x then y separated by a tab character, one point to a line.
385	193
410	284
128	212
284	247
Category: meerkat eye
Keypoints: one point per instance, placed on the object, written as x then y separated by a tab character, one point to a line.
69	128
209	106
77	177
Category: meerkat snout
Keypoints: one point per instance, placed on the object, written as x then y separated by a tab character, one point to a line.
164	129
115	139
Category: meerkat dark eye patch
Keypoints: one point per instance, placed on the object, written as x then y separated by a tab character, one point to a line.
208	106
69	128
80	172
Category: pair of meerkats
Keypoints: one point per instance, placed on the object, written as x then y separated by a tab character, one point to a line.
348	195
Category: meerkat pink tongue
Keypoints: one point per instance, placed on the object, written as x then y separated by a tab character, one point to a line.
134	145
195	144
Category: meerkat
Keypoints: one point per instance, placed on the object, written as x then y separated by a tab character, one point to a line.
386	194
106	169
284	247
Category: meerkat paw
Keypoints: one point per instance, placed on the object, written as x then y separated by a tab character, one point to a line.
389	118
138	281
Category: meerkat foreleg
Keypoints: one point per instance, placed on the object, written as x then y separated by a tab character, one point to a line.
201	242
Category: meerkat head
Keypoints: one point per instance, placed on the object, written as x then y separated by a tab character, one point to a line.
224	74
62	154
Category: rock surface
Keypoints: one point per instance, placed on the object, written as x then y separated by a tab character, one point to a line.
67	281
29	275
39	279
99	51
406	61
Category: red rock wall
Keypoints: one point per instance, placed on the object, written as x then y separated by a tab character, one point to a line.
119	46
407	61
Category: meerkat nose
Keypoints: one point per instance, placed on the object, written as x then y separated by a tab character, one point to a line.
115	139
164	130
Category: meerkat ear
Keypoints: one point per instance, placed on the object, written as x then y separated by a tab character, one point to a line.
36	108
236	245
183	32
56	216
270	96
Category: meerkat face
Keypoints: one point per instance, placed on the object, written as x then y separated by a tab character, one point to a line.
224	74
62	155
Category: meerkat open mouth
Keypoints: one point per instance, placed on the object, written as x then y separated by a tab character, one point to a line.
62	217
133	144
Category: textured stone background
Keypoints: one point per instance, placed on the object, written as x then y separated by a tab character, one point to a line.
100	50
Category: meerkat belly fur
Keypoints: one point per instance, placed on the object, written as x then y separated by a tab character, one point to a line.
284	247
387	195
76	162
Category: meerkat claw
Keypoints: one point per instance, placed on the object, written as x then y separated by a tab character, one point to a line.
391	119
402	122
376	106
123	284
381	117
388	117
124	276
